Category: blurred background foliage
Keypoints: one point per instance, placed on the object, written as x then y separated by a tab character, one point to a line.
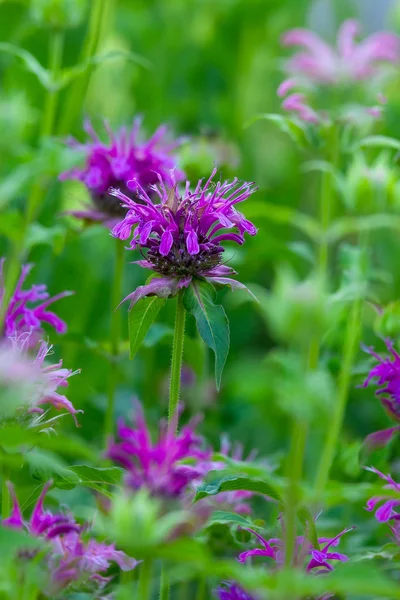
206	67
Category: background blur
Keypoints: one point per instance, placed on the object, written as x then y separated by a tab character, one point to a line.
205	67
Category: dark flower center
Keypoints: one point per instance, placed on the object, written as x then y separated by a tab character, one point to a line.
179	263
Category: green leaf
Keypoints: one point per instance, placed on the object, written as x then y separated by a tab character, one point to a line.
350	225
12	540
227	518
296	131
212	322
95	478
140	319
37	235
31	64
229	483
380	141
308	523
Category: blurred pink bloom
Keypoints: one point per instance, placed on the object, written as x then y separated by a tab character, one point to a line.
350	60
386	511
319	64
70	557
20	316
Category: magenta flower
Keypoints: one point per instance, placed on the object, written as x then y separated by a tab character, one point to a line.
20	316
70	558
166	468
232	591
183	234
386	511
274	548
319	65
387	373
124	157
32	381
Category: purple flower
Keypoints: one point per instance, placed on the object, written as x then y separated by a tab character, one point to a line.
183	234
20	316
166	468
386	511
70	557
274	548
232	591
32	381
318	64
125	157
387	373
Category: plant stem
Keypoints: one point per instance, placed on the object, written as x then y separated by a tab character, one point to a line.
349	350
164	585
144	587
327	197
176	362
295	468
56	44
201	589
78	90
5	497
116	293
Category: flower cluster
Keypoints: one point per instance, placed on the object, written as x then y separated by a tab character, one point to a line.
21	315
125	157
317	560
166	468
386	511
70	557
317	66
183	234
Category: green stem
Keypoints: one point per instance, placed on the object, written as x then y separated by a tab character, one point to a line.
77	93
56	44
144	587
335	425
326	203
164	585
176	363
5	497
202	590
115	333
295	468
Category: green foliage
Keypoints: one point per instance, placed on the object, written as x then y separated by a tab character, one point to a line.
141	318
211	320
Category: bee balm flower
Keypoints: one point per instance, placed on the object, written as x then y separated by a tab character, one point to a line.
125	157
182	233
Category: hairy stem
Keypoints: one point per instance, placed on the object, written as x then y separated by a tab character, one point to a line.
176	362
115	333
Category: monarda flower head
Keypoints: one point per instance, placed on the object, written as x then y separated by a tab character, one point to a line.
71	558
387	376
350	68
384	505
124	157
167	467
27	309
182	233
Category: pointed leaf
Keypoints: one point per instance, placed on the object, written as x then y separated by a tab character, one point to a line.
380	141
140	319
212	322
234	483
31	63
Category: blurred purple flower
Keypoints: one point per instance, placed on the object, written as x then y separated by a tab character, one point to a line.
232	591
21	317
183	235
160	467
386	511
387	373
70	558
274	548
32	381
318	64
125	157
